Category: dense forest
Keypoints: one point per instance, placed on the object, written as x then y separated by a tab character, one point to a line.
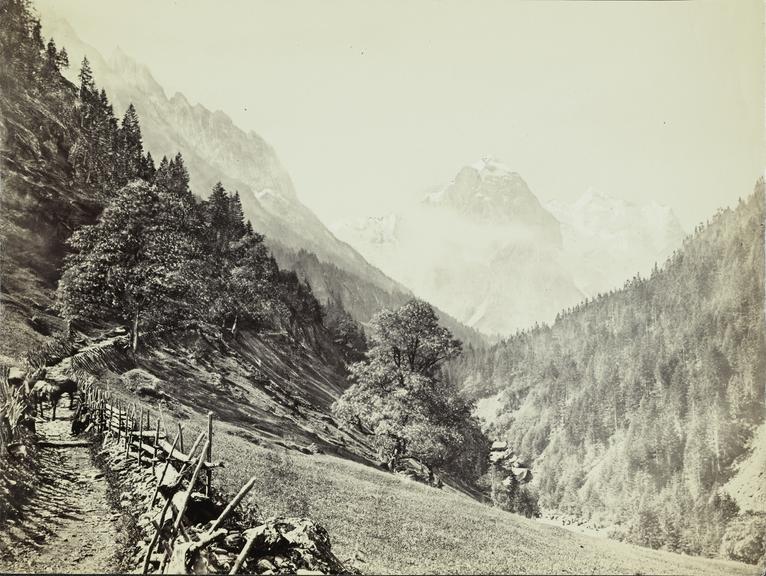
634	405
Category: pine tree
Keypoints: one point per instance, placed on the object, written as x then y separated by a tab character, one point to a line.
129	147
179	176
162	174
62	59
237	217
147	170
51	59
87	85
218	217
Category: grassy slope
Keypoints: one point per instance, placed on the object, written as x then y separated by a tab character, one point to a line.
402	527
398	526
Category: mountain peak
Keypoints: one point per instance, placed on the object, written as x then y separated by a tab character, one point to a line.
491	165
134	73
488	191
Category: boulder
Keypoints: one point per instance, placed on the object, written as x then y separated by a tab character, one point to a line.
414	469
499	446
522	475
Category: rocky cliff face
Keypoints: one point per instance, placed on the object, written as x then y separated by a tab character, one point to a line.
215	149
489	192
487	251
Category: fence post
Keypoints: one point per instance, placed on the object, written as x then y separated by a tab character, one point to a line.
140	436
156	443
209	454
180	438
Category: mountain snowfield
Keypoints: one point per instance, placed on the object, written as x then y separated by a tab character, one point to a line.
610	239
487	251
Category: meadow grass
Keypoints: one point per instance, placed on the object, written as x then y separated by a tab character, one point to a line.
400	526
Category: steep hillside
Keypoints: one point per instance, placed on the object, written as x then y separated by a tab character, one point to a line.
276	381
635	406
362	299
40	207
215	149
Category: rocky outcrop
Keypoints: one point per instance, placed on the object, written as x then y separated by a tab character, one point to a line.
503	459
414	469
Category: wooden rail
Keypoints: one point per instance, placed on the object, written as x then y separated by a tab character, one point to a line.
131	426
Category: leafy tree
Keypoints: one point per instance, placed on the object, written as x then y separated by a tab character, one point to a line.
131	265
398	393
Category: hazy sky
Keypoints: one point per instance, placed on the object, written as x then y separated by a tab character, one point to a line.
368	103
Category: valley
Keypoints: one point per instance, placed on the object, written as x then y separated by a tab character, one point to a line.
421	386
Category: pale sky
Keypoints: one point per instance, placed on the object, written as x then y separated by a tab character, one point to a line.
369	103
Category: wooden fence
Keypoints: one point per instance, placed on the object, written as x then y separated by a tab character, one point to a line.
146	442
145	437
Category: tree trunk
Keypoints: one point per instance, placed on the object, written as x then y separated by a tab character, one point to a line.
134	339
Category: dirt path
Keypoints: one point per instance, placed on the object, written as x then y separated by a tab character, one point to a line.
68	524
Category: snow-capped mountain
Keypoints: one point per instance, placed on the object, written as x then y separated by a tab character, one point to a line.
489	192
487	251
482	248
610	240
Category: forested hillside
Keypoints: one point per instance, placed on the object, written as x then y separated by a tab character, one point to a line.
633	406
145	250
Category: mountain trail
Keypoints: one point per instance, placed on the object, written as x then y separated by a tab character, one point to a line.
68	524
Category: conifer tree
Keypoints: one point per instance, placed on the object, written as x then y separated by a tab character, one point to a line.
179	176
51	59
147	170
218	217
129	147
62	59
87	85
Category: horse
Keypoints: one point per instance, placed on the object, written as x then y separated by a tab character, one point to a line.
53	391
39	391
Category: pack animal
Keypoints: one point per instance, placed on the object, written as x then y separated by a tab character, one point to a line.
52	392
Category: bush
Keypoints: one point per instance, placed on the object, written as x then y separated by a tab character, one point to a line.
745	539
